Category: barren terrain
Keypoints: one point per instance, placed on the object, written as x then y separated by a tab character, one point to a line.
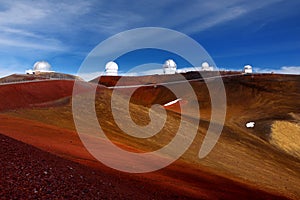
262	162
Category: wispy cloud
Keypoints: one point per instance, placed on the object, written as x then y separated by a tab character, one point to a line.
11	68
45	45
14	37
188	69
20	13
141	70
282	70
188	17
31	30
36	13
208	14
25	25
20	32
58	18
6	72
56	28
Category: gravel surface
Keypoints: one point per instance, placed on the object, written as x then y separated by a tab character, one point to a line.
30	173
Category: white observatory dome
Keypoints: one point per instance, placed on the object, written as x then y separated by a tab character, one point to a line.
248	69
169	67
42	66
206	67
111	68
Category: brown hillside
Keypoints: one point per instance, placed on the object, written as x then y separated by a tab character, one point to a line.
245	163
29	94
38	76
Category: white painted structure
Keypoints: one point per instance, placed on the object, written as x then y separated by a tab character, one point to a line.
172	102
40	66
169	67
206	67
111	69
250	124
248	69
29	71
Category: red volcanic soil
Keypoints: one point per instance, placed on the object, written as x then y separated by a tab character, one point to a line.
43	157
38	76
28	172
29	94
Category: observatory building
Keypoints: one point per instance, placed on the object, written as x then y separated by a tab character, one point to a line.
40	67
111	69
248	69
169	67
206	67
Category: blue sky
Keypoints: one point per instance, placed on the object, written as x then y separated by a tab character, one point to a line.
265	34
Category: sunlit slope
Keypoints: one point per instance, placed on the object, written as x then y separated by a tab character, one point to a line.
51	129
261	98
257	157
37	76
265	155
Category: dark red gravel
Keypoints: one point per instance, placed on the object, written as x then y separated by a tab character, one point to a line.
30	173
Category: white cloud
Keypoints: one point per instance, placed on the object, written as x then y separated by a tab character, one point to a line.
46	45
188	69
89	76
282	70
12	65
7	72
188	17
62	18
62	26
213	13
14	37
7	30
20	12
142	70
214	19
21	17
38	26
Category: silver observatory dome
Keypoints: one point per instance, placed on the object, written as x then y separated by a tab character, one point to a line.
42	66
